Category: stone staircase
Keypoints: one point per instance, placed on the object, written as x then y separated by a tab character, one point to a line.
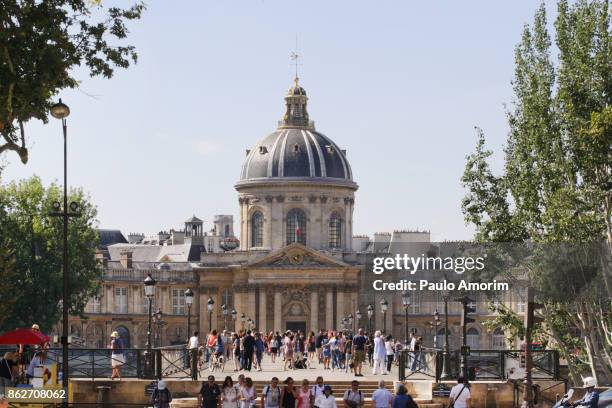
367	387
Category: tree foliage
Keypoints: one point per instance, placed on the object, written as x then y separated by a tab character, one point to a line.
556	186
31	254
41	45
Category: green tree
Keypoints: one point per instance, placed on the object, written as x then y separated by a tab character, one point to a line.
31	241
556	186
41	45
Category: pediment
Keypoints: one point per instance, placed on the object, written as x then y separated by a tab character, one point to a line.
298	255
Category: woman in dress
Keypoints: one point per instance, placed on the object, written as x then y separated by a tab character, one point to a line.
289	394
326	353
289	346
274	345
304	394
311	346
117	357
229	394
236	343
248	395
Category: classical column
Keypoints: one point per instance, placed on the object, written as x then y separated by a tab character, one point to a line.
278	310
329	309
314	310
240	308
339	309
261	324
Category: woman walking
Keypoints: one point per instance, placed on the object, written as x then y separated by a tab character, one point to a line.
288	394
248	395
311	346
390	352
236	342
117	357
229	394
304	394
289	346
326	353
274	346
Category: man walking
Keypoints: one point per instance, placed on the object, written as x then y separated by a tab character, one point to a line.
359	344
249	349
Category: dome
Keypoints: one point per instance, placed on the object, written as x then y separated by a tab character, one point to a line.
296	151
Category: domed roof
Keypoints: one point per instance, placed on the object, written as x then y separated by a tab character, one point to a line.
295	151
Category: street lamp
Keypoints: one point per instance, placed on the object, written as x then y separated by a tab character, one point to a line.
406	304
210	305
350	322
435	325
149	287
357	320
384	305
370	314
243	319
234	314
62	111
224	311
158	324
189	301
445	353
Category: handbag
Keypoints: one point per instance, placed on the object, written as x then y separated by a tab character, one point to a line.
455	399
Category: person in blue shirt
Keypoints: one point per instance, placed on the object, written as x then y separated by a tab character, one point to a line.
591	397
259	349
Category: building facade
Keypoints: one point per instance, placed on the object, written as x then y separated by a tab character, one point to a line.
297	265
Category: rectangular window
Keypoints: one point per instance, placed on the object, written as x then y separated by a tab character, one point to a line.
521	304
178	302
499	342
415	303
121	300
93	306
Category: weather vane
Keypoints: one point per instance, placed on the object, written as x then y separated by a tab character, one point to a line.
295	57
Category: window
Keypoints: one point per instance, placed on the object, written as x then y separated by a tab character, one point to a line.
178	301
498	340
296	226
227	299
415	303
257	222
472	338
335	231
521	305
121	300
94	304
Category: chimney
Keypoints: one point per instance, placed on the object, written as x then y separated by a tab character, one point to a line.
101	259
126	259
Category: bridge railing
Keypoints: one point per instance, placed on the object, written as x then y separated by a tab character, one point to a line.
481	364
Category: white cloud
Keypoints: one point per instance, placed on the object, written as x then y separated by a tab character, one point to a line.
207	147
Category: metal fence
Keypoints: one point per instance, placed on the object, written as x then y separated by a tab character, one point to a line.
481	364
166	362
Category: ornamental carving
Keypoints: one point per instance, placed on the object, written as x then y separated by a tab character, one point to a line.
269	198
280	198
296	198
312	199
323	199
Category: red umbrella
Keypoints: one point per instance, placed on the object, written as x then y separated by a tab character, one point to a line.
24	336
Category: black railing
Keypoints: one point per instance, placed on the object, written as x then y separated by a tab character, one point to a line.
167	362
481	364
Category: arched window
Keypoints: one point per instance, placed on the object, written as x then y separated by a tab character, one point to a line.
498	339
473	338
257	223
335	231
296	226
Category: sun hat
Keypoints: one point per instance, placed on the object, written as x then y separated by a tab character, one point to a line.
114	334
589	382
35	327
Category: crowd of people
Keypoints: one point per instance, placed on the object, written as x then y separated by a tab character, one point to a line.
328	349
243	394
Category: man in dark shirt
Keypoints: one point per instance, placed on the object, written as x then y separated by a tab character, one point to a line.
7	365
359	344
318	346
249	349
209	394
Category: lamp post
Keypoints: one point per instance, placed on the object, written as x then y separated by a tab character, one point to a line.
370	314
406	304
350	322
210	305
149	287
224	311
189	301
435	325
62	111
243	319
445	353
357	320
158	324
234	314
384	305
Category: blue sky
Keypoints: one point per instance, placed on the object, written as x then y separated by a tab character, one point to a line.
399	84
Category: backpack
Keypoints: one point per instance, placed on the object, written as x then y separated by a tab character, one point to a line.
266	390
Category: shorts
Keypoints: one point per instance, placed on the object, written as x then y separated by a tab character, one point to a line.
117	360
326	353
359	356
273	350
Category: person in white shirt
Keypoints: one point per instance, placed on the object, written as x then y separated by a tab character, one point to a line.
382	397
194	341
326	400
317	389
380	354
460	396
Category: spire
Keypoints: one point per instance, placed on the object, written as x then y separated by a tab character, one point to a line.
296	100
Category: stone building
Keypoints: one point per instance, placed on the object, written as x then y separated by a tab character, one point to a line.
298	265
